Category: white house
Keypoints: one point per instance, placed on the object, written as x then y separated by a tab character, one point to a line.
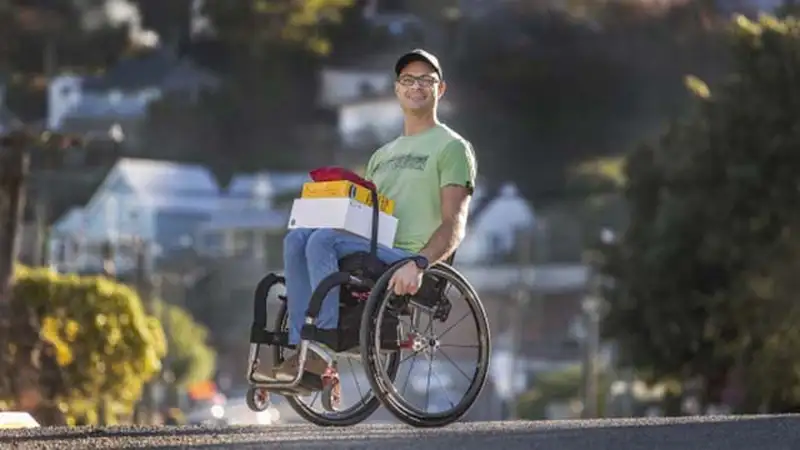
492	231
161	203
122	95
249	221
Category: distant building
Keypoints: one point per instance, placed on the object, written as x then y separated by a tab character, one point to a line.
159	202
122	95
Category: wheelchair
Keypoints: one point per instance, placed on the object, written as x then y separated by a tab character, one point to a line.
372	327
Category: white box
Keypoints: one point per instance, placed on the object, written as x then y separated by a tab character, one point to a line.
343	214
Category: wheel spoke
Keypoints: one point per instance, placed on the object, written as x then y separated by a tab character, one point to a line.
408	375
450	360
428	384
444	389
447	330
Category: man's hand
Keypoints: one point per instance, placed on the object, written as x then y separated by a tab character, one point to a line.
407	279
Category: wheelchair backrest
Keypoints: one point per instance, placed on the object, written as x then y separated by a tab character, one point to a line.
451	258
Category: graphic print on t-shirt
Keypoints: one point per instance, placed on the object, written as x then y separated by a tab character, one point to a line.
409	161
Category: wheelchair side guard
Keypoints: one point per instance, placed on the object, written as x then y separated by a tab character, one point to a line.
310	331
258	330
259	335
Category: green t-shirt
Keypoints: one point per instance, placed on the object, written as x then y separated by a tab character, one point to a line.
411	170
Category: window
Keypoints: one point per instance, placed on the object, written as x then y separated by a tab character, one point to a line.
171	226
212	242
243	241
115	96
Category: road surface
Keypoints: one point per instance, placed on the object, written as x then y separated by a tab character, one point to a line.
711	433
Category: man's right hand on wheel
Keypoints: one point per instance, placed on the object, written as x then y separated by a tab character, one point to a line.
407	279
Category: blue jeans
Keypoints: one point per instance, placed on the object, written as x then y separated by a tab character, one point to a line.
309	256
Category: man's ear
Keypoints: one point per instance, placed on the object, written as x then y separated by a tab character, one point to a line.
442	88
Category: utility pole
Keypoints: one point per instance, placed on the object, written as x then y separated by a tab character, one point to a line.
522	299
145	410
14	166
592	305
110	271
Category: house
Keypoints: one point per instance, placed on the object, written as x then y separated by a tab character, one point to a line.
121	96
252	217
161	203
494	224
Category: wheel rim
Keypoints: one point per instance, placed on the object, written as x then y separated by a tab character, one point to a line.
260	398
430	343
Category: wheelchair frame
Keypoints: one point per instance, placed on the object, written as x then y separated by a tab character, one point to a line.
355	282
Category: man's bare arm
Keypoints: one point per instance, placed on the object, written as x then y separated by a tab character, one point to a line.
448	236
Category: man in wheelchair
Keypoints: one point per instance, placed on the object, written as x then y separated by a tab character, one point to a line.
429	171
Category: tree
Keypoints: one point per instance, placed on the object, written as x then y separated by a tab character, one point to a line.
40	39
257	25
272	52
705	271
88	339
564	89
190	357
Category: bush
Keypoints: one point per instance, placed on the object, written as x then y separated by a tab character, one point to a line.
557	386
95	339
192	360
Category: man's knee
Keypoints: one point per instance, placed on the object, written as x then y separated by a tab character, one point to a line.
323	238
296	240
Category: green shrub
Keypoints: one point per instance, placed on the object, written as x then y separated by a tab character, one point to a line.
94	337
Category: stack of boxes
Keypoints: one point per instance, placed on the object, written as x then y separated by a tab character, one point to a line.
343	205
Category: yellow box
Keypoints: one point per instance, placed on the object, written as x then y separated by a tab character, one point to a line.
333	189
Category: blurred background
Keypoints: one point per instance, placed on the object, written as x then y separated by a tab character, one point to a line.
170	137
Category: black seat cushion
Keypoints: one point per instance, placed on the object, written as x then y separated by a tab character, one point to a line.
364	265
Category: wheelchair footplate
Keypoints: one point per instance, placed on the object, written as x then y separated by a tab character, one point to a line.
303	383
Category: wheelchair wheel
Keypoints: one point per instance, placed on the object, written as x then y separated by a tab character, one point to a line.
427	344
311	407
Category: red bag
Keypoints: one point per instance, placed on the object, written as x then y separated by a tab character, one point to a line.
339	174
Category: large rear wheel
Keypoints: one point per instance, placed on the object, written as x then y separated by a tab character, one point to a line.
429	325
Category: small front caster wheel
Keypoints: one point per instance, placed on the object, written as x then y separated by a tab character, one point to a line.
257	399
331	391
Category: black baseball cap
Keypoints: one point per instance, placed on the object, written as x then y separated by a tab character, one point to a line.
418	55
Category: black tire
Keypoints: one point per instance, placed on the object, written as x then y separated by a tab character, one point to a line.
255	405
386	393
357	414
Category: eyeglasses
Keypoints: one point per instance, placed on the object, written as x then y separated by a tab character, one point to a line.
425	81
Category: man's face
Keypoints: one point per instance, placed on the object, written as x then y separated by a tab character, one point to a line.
418	87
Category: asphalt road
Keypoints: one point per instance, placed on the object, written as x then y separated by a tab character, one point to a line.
723	433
